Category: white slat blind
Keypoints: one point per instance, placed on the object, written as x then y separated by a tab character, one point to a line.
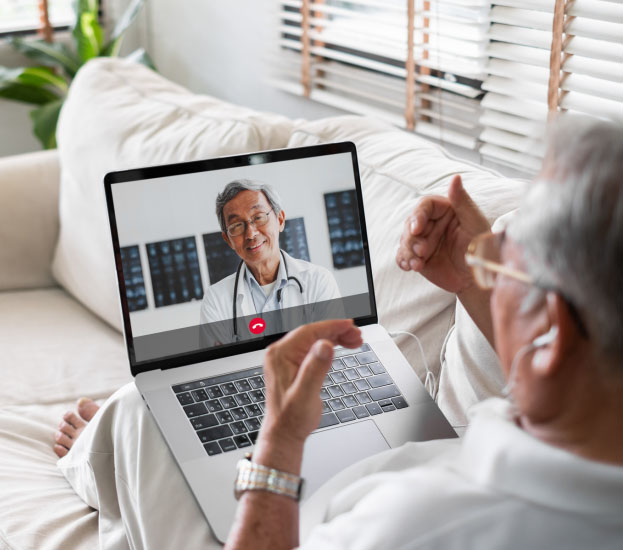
23	15
540	65
355	55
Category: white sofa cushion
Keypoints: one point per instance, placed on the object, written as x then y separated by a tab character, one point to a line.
396	168
120	115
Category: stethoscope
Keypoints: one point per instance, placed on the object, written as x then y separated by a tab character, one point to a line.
279	292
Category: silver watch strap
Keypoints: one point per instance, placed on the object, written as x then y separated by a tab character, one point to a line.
255	477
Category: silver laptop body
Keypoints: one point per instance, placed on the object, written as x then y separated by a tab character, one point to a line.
373	399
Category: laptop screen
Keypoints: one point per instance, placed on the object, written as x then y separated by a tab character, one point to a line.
222	256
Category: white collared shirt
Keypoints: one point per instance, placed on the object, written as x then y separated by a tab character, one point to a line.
498	488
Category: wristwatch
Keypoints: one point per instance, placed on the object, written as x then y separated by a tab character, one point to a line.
255	477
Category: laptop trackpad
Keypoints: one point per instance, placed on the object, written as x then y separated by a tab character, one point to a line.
329	452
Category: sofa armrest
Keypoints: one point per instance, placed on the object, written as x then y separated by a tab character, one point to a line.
29	220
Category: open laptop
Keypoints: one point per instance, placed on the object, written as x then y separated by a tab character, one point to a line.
203	382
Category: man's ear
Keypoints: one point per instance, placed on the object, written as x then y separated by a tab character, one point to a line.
226	239
281	218
553	346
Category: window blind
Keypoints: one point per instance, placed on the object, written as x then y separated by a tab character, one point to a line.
417	64
24	15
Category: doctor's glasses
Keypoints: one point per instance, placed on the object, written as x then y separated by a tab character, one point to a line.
238	228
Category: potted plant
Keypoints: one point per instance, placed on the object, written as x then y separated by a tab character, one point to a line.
46	84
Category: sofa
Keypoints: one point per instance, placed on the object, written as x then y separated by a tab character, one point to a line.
60	325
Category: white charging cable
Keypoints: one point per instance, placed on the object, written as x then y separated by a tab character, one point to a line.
429	382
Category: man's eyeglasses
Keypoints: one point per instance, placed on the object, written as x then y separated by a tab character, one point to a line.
238	228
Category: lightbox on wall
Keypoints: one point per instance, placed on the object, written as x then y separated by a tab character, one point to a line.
344	229
293	239
133	278
174	268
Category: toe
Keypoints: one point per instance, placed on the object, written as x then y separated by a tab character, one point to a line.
68	429
60	451
63	439
87	408
73	419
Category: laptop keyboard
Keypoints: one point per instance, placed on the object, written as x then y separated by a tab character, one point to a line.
226	411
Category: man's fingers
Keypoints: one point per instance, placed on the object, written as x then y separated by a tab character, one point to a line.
339	331
424	248
428	209
313	369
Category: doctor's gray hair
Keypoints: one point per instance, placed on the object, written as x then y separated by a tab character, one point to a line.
571	225
237	186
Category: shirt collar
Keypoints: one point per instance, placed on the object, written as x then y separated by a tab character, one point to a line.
499	454
252	282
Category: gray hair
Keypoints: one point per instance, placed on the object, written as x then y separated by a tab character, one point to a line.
571	225
237	186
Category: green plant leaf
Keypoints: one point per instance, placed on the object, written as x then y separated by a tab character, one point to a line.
45	119
12	88
142	57
89	36
42	76
55	55
129	15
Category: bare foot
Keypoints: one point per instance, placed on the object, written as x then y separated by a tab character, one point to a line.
72	425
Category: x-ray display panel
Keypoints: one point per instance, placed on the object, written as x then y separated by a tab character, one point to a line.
175	275
293	239
222	260
133	278
344	229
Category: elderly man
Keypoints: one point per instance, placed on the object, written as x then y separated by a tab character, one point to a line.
267	278
543	469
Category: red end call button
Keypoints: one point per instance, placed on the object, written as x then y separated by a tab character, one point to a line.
257	325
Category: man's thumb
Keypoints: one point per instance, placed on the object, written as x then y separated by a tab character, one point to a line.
463	205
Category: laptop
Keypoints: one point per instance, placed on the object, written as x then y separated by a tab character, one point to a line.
200	374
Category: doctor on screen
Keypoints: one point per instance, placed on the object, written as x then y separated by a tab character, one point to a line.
267	278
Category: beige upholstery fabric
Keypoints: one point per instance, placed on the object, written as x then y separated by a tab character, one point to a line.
28	219
396	168
120	115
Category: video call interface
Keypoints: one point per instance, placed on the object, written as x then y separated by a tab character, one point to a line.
291	253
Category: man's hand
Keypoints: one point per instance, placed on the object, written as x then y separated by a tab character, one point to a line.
436	236
294	369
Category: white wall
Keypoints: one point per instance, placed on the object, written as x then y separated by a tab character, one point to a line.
181	206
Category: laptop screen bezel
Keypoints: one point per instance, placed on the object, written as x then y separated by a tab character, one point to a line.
178	169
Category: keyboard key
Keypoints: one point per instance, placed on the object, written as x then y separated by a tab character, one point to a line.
185	387
242	441
364	371
205	421
373	408
253	436
384	392
253	410
335	391
377	368
243	385
400	402
327	381
217	432
380	380
239	413
336	404
340	352
253	424
227	444
346	416
388	408
214	405
350	401
328	420
361	412
228	389
256	382
325	407
256	396
224	417
212	448
351	374
365	358
338	377
238	428
349	387
338	365
242	399
185	399
195	410
350	361
214	392
262	405
361	384
324	394
200	395
363	398
384	402
228	402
